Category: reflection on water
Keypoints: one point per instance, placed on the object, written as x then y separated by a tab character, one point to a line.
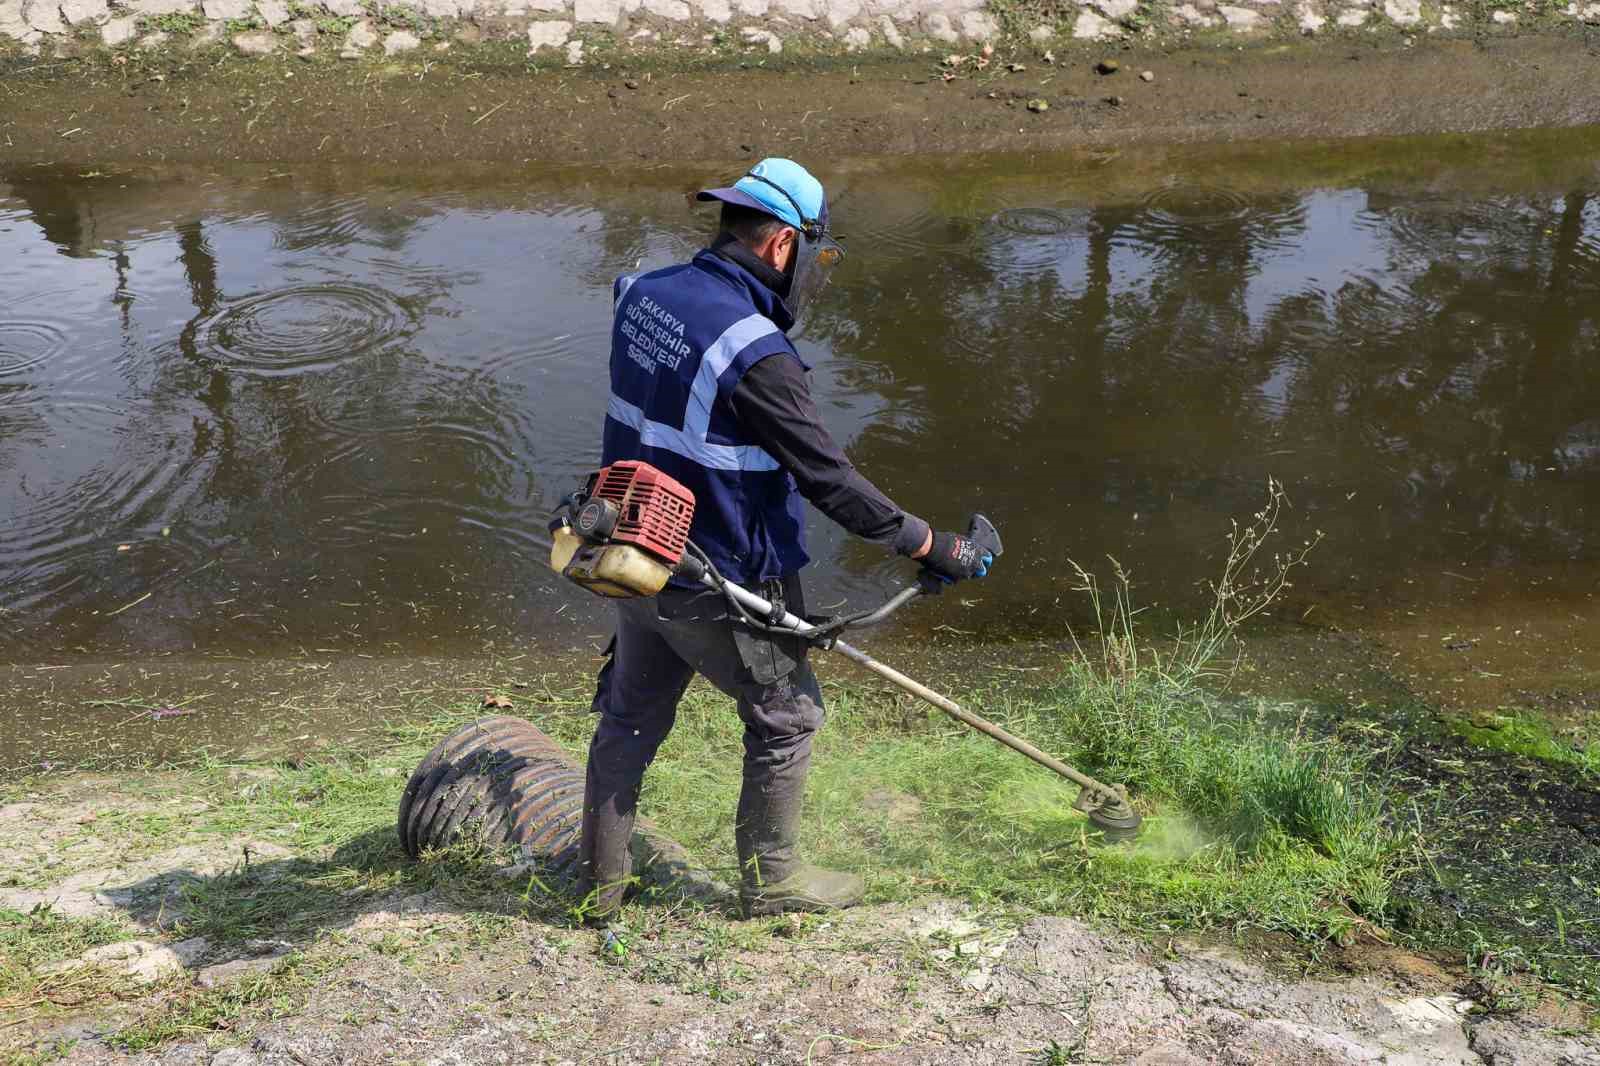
249	415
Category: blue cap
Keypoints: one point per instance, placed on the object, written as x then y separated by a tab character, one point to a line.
780	187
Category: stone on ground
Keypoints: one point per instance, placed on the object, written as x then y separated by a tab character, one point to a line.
939	26
1117	10
401	41
1093	27
227	9
81	12
160	7
1240	18
44	16
256	42
548	35
360	38
119	31
141	961
605	12
752	35
1403	12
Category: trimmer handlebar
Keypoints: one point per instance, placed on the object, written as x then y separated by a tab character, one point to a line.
979	529
895	602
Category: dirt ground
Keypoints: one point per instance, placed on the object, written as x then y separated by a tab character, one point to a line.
201	108
461	973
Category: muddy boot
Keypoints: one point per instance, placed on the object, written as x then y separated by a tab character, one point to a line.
605	862
773	879
810	888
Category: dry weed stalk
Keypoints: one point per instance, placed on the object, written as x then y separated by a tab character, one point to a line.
1248	586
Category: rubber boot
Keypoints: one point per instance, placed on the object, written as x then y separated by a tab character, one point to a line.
773	879
605	856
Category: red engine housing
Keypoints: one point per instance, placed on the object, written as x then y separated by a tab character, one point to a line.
655	510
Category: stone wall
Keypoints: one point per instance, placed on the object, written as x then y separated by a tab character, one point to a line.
569	31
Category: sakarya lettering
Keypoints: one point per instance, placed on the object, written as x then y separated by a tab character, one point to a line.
661	314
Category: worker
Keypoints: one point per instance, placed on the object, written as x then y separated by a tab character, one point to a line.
706	387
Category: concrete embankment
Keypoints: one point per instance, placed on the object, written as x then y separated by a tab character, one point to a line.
571	30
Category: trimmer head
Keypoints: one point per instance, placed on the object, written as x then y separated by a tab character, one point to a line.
1110	813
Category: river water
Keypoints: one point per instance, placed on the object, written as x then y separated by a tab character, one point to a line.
266	412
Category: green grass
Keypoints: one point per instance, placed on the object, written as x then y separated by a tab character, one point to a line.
55	1051
181	23
1245	827
335	25
1528	735
336	816
31	941
404	17
1250	824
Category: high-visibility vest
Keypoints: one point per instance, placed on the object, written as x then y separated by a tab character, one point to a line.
681	339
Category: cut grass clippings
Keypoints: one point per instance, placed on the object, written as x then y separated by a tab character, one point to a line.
31	941
32	944
195	1011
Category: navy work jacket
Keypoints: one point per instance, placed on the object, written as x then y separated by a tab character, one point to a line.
681	339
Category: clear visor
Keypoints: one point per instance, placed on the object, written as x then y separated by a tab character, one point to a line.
813	272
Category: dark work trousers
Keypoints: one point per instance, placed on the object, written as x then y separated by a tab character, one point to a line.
660	644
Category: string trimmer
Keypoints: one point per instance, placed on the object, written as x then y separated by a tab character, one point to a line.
626	533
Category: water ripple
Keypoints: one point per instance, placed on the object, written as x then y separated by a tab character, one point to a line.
917	220
1033	238
300	329
1481	235
1191	204
335	224
92	514
1185	218
589	340
413	484
27	344
1039	221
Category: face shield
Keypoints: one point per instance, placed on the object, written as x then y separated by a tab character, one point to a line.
814	262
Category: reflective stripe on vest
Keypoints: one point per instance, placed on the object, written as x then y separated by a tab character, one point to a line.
624	283
690	441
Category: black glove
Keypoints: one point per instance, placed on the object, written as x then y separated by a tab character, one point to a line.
954	557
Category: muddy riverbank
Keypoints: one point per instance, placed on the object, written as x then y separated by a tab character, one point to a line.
211	107
262	912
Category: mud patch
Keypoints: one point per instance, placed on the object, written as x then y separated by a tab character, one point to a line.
183	109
